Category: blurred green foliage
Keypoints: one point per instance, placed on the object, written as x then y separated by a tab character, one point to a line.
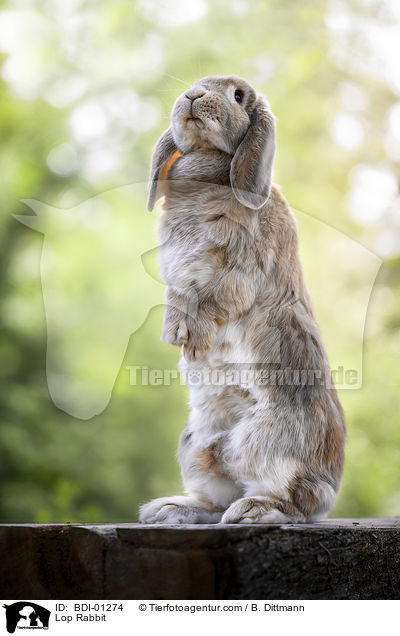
86	89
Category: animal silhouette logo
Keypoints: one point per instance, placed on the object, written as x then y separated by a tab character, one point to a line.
26	615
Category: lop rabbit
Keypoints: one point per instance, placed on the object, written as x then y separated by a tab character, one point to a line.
265	444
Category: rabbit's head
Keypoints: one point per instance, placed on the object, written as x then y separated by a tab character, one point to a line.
223	113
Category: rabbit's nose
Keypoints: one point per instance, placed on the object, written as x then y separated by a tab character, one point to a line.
194	93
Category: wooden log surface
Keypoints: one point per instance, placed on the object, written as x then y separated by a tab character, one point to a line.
334	559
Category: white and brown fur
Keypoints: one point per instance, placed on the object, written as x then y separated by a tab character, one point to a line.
261	453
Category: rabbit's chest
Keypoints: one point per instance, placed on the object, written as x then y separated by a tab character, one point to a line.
189	255
186	270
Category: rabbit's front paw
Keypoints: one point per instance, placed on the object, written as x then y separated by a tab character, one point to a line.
201	338
175	332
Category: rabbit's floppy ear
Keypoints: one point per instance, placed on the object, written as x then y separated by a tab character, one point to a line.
165	154
251	166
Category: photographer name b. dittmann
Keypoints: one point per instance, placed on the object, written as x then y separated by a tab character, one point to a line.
274	607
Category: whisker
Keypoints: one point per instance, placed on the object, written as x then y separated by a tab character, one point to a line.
177	79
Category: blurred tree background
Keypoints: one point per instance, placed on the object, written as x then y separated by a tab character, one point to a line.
86	88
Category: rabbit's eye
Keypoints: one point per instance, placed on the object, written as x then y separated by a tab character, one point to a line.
238	96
